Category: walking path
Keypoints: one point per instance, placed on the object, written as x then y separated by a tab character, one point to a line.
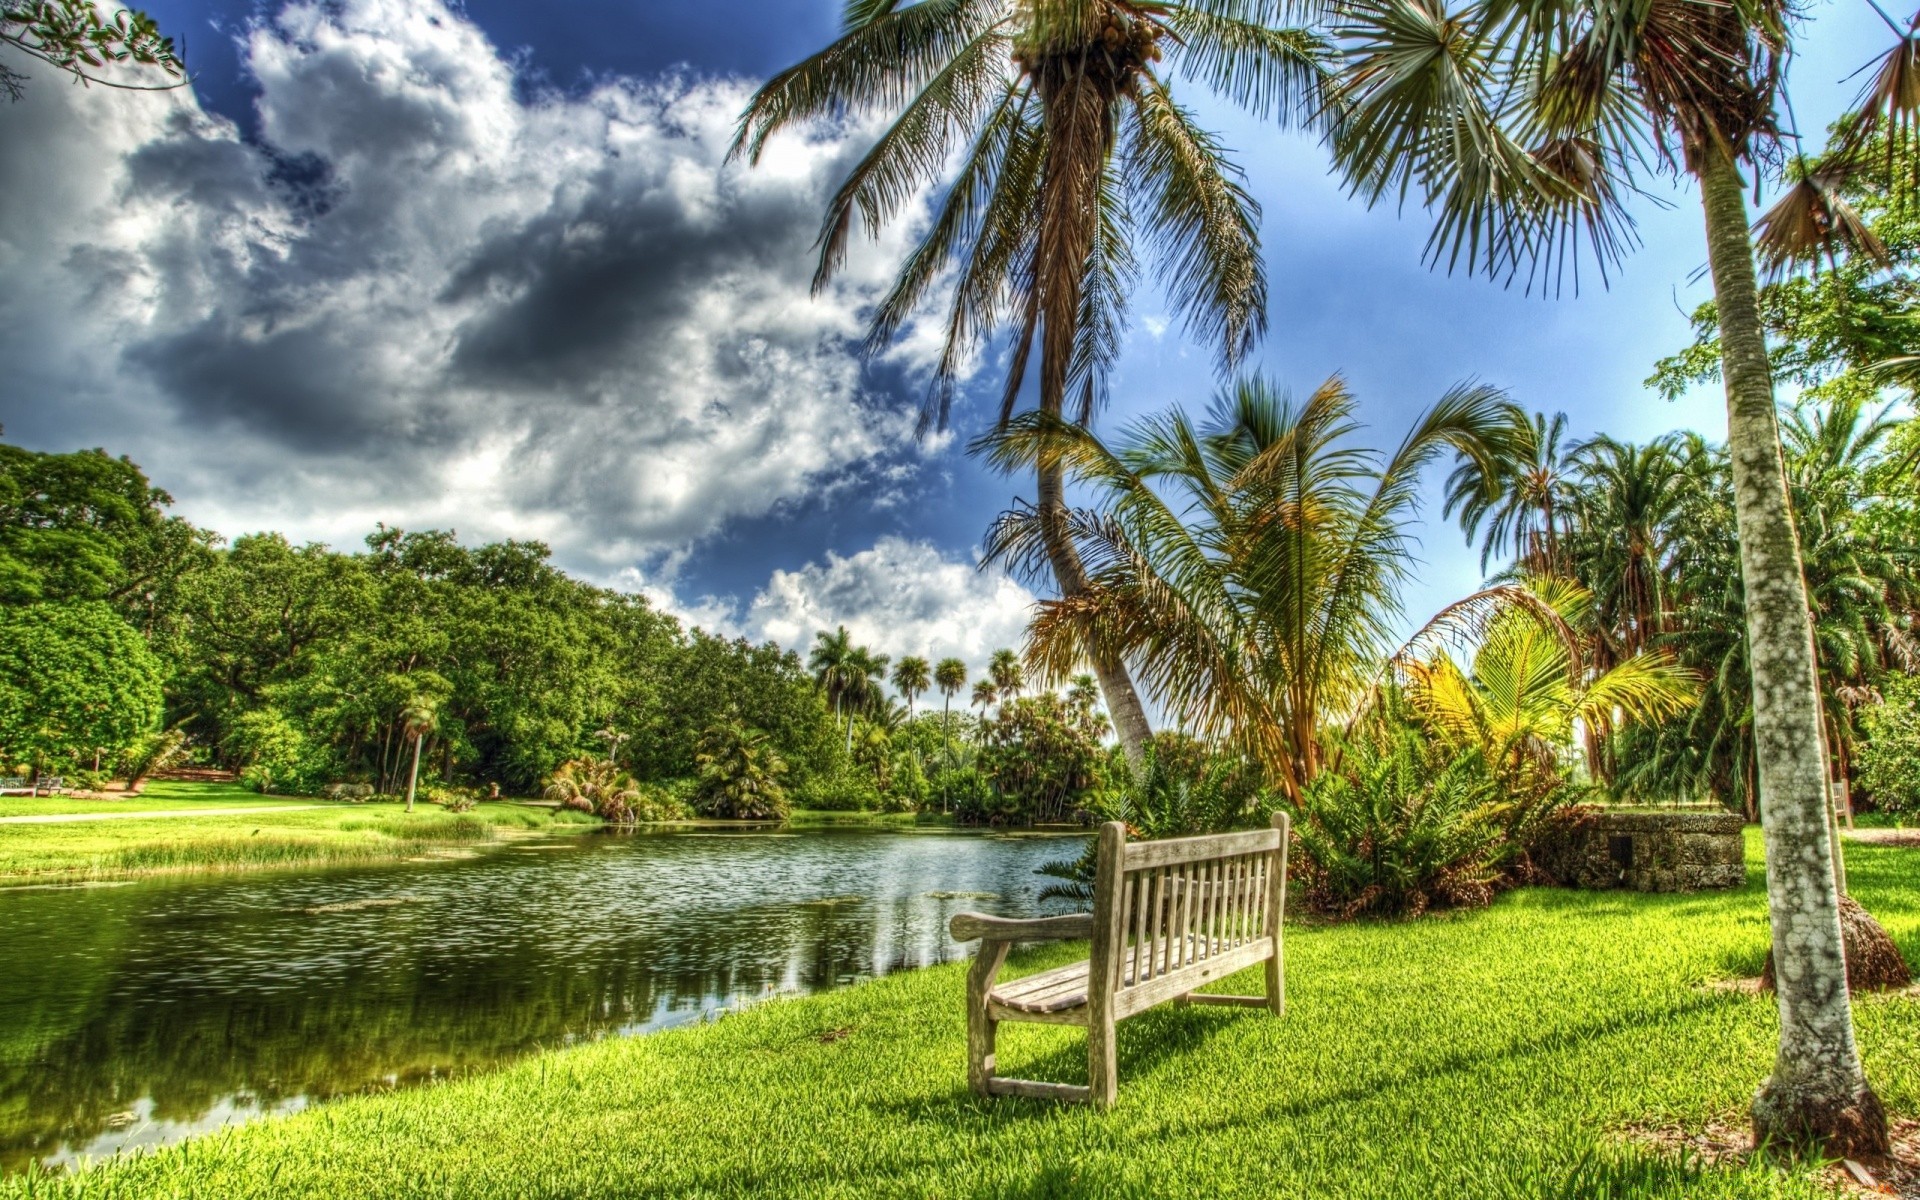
62	818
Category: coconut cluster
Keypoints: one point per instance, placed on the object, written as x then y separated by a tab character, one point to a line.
1120	46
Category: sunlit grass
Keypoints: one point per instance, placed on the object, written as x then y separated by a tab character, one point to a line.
155	796
331	833
1492	1054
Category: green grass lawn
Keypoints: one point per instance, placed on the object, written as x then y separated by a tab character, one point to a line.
1491	1054
158	795
333	832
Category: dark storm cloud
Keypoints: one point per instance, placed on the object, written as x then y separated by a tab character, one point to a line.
431	295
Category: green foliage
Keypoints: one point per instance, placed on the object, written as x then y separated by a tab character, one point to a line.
1042	757
75	679
1397	826
740	774
270	749
1888	759
74	37
851	789
598	787
1248	567
1185	788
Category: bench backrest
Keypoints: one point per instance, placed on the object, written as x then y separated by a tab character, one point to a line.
1170	915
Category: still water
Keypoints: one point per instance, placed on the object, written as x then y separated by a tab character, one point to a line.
138	1014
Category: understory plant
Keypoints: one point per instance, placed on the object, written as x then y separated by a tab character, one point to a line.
1888	757
739	774
598	788
1182	789
1397	825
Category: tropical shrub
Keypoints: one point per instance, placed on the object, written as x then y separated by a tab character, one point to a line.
1887	761
850	789
739	774
1042	756
1399	825
961	789
596	786
1183	789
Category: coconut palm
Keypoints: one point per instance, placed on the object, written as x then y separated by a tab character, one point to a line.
1628	497
1526	689
418	718
1250	566
1519	126
831	662
1072	149
910	678
949	675
1521	494
1009	680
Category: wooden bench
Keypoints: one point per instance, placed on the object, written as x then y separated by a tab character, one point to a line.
1168	917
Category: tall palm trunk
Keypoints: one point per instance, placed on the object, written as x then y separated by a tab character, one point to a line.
1818	1088
1078	111
413	775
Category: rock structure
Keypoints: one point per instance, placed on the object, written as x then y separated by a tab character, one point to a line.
1645	851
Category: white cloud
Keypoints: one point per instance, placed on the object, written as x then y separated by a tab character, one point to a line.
901	597
433	300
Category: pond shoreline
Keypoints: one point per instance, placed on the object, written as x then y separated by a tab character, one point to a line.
47	849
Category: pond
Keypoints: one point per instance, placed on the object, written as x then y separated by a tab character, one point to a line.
137	1014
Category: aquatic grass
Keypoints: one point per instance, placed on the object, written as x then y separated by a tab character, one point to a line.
1501	1053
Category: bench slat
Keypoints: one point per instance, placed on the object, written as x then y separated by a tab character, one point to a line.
1171	851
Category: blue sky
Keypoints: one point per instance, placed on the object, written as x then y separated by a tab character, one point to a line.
481	267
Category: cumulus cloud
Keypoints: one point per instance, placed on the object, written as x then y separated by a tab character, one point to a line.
900	596
430	297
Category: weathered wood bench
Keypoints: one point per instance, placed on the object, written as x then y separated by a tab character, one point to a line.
1168	917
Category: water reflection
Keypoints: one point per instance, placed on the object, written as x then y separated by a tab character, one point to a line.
138	1014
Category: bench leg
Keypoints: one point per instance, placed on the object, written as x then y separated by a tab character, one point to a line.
981	1027
1277	982
1103	1069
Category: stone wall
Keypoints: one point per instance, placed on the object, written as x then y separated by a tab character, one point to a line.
1646	851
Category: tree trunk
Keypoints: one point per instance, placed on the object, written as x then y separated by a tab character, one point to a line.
1818	1090
1080	135
413	776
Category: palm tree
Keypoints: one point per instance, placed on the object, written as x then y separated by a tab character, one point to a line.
1521	494
985	696
1526	688
950	675
1628	497
1259	598
1008	677
1083	692
831	662
419	717
1519	127
1076	148
910	677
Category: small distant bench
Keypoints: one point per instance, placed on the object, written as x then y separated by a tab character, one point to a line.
1168	917
45	785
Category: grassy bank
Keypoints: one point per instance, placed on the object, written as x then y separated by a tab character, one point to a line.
218	840
155	796
1504	1053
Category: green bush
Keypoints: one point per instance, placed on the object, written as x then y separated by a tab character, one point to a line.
850	789
960	789
1887	760
740	774
1043	757
1398	827
1185	789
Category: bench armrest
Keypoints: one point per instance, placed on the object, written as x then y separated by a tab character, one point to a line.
967	926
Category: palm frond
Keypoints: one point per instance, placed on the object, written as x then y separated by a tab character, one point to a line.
1196	209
